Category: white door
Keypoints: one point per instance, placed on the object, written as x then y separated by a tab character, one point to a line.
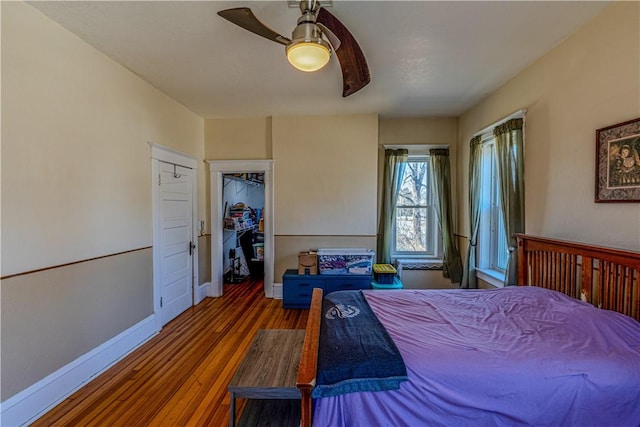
176	247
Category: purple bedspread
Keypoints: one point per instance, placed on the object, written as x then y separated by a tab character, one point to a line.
504	357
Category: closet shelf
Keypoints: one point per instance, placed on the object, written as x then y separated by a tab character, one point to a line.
244	180
251	227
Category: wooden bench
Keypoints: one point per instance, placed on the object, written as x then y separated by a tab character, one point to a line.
267	376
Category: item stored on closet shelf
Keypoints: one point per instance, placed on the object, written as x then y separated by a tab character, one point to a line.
345	261
240	210
308	263
240	217
238	224
260	219
258	251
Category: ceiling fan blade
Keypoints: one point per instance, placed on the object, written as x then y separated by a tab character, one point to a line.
243	17
333	39
355	71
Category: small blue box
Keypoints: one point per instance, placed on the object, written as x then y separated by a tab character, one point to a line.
397	284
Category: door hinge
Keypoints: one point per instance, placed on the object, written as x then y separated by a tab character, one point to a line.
160	302
159	179
191	248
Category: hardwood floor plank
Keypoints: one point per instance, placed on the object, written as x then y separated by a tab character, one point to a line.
180	376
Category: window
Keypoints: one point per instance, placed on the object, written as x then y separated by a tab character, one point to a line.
493	252
416	229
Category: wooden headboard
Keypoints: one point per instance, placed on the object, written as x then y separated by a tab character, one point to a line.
607	278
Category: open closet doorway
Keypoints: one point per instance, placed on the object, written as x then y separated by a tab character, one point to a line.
241	222
243	227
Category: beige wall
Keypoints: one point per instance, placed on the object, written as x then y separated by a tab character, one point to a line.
75	133
324	177
53	317
419	130
238	139
75	185
590	81
204	258
425	279
324	184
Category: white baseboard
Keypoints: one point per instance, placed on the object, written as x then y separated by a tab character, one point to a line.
34	401
215	288
202	291
277	290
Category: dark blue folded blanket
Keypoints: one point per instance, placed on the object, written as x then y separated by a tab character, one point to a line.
356	352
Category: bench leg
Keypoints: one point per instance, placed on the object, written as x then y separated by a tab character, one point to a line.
232	410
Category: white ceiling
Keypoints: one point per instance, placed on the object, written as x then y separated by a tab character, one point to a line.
427	58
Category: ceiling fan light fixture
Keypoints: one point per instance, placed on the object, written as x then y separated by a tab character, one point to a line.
308	51
309	55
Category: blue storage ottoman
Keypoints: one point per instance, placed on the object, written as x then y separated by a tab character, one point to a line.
397	284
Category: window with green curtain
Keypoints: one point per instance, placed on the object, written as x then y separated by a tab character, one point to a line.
496	202
394	164
509	149
469	277
441	184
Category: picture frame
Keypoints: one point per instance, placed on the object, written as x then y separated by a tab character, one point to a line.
618	163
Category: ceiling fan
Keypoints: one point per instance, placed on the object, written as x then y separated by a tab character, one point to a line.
308	49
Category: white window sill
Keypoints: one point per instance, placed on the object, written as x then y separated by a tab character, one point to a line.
417	263
492	277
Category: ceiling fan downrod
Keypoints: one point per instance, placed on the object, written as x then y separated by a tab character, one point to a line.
308	50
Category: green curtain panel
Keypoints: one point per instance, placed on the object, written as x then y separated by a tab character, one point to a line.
509	147
469	280
440	165
395	162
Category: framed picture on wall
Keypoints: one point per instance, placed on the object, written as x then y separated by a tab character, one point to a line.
618	162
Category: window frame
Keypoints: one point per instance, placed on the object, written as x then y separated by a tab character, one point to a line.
487	243
435	251
490	219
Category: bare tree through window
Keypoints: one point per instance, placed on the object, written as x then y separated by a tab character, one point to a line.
413	209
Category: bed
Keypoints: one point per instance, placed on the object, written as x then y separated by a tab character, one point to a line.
562	348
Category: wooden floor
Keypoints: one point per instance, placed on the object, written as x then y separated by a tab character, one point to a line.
180	377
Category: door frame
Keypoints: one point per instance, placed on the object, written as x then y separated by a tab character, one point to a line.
217	168
160	153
